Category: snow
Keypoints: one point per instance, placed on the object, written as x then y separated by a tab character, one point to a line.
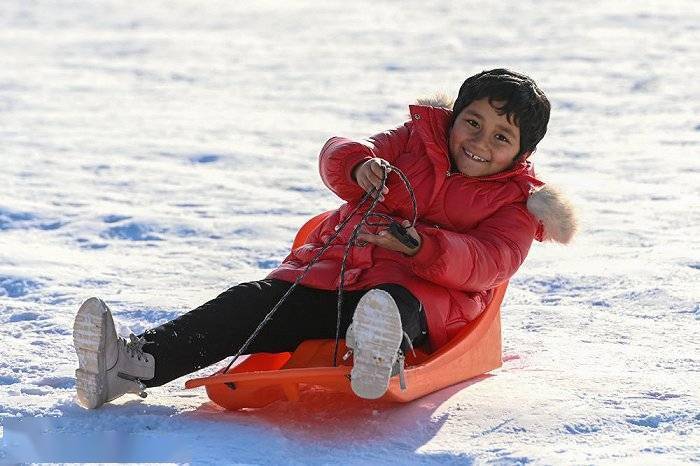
155	154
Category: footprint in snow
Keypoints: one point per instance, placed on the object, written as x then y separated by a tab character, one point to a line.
653	421
133	232
16	287
8	379
12	219
24	316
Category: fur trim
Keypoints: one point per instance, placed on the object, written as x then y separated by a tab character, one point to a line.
438	100
556	213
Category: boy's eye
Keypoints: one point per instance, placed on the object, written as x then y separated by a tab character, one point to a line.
502	138
473	123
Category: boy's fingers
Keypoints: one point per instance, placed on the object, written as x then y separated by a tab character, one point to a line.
366	183
369	181
378	168
377	182
368	186
383	163
374	179
367	238
372	238
383	239
362	182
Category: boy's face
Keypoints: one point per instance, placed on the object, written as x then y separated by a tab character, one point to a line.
482	142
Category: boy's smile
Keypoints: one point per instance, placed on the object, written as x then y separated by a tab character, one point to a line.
483	142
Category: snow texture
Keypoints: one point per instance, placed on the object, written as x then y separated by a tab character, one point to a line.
156	153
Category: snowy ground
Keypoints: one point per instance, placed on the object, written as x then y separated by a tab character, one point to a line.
155	153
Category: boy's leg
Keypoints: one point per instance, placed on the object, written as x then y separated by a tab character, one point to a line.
221	326
218	328
110	366
413	319
212	331
386	318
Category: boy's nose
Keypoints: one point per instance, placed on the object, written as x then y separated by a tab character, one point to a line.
477	135
478	141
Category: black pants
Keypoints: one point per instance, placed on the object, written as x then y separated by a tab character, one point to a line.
218	328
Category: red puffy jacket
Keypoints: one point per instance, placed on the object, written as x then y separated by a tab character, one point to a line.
475	231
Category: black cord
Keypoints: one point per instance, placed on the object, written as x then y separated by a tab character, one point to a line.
351	242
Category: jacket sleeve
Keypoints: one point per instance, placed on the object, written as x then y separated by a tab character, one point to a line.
481	258
340	156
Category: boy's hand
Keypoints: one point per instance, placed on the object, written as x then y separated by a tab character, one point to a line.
369	175
388	241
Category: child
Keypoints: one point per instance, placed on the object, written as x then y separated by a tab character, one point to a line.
479	208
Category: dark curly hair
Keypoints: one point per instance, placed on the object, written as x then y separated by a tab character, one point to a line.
525	105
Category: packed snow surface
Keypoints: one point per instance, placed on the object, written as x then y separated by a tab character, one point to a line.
156	153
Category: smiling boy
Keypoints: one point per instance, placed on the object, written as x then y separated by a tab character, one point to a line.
479	208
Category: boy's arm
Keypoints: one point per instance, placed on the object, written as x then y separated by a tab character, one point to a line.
340	156
480	259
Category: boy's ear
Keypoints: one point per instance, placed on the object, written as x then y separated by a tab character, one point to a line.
524	157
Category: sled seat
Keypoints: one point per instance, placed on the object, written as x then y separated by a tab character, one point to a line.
264	378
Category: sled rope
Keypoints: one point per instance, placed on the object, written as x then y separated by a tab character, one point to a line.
356	231
353	238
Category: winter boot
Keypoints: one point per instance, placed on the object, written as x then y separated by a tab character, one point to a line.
374	338
108	366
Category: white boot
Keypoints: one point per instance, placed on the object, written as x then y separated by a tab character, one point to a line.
108	366
374	336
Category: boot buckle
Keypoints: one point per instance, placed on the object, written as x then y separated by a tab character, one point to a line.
402	375
142	393
142	388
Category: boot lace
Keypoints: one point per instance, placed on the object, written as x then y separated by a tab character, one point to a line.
134	347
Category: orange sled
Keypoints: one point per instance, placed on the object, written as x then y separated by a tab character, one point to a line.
264	378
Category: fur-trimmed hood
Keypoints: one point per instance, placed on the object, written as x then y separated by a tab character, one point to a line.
548	204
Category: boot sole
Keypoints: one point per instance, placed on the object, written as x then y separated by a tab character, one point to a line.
89	343
377	332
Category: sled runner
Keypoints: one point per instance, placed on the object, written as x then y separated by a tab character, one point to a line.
263	378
